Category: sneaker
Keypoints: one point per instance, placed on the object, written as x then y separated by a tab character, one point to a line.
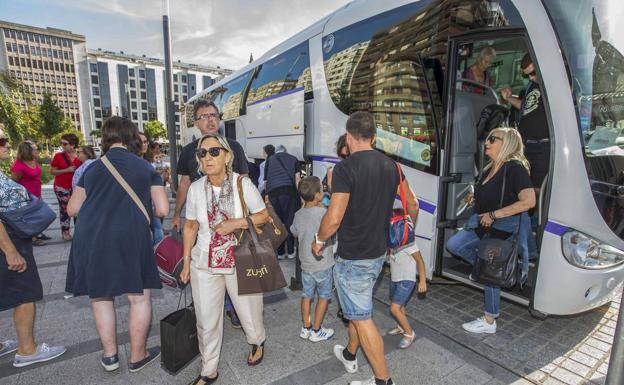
281	257
407	340
110	363
152	354
8	346
305	333
480	325
43	353
370	381
350	366
234	321
43	237
395	331
291	256
322	335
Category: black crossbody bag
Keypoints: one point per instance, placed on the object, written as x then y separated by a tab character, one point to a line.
497	259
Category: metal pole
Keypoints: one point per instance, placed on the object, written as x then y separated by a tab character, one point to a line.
169	102
615	374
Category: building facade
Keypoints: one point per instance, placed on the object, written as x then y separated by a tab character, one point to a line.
134	87
45	60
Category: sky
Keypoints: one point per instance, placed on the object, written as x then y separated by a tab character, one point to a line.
208	32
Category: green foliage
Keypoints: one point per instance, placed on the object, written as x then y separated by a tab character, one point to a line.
52	118
19	123
154	129
46	175
96	133
68	128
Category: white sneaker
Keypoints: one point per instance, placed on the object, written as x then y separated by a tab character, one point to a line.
370	381
322	335
43	353
395	331
281	256
305	333
350	366
291	256
480	325
8	346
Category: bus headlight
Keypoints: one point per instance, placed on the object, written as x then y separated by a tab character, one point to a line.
584	251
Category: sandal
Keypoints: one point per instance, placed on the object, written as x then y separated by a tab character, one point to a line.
204	380
67	236
254	350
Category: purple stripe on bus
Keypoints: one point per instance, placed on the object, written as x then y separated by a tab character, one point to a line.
555	228
325	159
277	96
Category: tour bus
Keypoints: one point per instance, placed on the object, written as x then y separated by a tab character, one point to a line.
403	61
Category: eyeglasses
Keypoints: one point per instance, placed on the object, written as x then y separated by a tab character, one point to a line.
79	152
144	142
210	115
4	142
491	139
532	73
64	143
213	151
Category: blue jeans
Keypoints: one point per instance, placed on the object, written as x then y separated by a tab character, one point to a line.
354	281
464	244
401	291
319	281
157	230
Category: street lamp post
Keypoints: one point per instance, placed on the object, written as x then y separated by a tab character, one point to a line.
169	102
615	374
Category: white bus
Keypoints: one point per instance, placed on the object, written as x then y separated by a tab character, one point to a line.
402	61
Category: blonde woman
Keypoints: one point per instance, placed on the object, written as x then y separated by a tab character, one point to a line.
214	216
504	148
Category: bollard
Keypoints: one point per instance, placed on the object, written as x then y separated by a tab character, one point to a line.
615	374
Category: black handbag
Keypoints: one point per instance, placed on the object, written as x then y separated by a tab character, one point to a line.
30	220
497	259
257	270
178	338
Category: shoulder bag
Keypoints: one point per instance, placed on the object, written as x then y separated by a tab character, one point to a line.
30	220
126	187
497	259
257	270
274	230
401	230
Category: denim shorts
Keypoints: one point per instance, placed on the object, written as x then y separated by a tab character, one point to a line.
401	291
354	283
319	281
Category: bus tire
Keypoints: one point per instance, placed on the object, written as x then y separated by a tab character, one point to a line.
538	314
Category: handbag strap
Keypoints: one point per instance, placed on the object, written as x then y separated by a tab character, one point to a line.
403	204
125	186
500	205
241	195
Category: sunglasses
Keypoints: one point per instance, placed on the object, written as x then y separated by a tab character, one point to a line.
532	73
211	115
4	142
491	139
213	151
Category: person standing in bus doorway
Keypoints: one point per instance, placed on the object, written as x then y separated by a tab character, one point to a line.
533	126
364	186
283	172
207	119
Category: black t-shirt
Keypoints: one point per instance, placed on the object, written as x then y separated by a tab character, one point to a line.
487	196
371	179
187	162
533	124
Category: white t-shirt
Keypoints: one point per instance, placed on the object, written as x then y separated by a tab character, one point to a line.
402	264
197	206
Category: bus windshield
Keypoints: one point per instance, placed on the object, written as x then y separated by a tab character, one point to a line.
592	39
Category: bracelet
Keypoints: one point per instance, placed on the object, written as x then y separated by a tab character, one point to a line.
492	215
322	243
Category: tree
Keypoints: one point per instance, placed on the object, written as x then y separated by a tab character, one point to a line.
18	122
154	129
53	120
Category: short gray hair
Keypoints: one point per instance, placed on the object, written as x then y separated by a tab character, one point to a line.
485	52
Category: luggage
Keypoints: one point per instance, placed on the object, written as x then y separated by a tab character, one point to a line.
169	259
401	229
178	338
30	220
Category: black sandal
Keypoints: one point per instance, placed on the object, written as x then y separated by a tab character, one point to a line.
254	350
206	380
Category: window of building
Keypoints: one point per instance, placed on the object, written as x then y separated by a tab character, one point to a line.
27	50
10	60
144	106
28	63
34	64
98	113
67	68
96	91
142	74
31	37
133	94
93	67
98	124
6	32
135	116
14	46
132	83
21	48
38	50
45	65
183	78
40	64
133	105
184	89
37	36
23	62
55	53
175	77
65	55
94	79
144	116
56	66
13	34
71	68
142	84
96	102
8	45
286	72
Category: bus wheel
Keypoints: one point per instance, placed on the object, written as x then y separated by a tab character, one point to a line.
538	314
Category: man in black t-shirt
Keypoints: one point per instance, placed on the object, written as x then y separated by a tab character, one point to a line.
207	121
364	187
533	125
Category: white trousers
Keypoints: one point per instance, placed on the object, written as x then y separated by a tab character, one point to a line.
208	296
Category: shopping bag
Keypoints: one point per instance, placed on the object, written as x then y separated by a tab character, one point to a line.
178	338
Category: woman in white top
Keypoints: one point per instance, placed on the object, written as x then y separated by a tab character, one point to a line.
213	216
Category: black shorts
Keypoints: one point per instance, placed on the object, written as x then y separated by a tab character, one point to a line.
538	155
19	288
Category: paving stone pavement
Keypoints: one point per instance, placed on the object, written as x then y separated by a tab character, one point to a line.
559	350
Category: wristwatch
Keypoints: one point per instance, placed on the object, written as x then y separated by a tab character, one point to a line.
322	243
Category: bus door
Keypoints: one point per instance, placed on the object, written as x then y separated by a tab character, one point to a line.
473	108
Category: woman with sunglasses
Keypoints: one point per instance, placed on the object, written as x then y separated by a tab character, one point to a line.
63	166
86	155
214	216
27	172
20	285
508	169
